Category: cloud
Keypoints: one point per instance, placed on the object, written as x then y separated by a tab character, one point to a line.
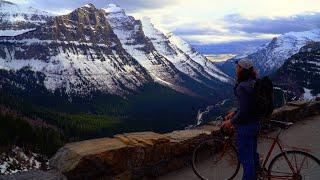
236	27
216	32
196	28
276	25
129	5
210	21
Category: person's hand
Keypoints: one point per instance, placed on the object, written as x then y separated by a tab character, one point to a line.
227	124
230	115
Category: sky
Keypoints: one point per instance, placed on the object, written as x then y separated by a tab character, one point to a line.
204	22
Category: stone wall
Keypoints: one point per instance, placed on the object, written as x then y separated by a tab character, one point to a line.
149	154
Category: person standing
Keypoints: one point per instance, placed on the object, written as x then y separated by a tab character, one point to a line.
245	120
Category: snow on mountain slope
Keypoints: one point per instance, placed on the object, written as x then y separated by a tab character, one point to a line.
130	33
270	57
105	50
77	52
11	12
284	46
11	32
198	58
17	19
178	57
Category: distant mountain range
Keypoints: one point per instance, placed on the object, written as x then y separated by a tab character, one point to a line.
271	56
97	72
102	49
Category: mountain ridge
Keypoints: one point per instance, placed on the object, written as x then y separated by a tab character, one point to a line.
98	33
271	56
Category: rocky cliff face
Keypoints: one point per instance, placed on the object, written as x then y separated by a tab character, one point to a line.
300	73
106	50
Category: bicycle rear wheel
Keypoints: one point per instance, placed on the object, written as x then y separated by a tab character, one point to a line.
215	159
297	165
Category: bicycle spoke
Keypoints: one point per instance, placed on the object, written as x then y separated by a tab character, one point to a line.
295	162
306	166
301	164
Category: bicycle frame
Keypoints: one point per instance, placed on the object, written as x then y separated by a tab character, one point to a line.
276	141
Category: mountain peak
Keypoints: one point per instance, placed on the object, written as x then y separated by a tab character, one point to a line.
112	8
89	5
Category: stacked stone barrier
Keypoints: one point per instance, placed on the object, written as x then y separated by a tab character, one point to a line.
149	154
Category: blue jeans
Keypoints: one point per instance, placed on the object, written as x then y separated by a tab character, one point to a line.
247	137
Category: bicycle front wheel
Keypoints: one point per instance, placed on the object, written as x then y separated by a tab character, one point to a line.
215	159
295	165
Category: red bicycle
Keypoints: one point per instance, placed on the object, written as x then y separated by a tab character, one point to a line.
217	159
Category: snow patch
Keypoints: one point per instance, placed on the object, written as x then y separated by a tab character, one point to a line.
17	160
112	8
12	32
307	95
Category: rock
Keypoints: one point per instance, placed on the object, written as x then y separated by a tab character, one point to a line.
313	108
285	113
212	127
142	138
129	155
91	158
183	141
298	103
144	147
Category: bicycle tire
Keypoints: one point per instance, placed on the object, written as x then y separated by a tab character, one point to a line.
274	160
195	155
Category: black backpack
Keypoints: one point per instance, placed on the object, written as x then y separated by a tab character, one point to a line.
263	100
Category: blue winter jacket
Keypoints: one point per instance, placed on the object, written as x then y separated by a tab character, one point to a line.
245	111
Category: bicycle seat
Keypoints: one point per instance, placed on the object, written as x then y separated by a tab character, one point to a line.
281	124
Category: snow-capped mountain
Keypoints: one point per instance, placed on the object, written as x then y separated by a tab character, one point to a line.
300	74
77	52
165	62
182	55
17	19
106	50
270	57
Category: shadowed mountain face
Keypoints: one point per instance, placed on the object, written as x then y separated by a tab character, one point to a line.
95	72
300	74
